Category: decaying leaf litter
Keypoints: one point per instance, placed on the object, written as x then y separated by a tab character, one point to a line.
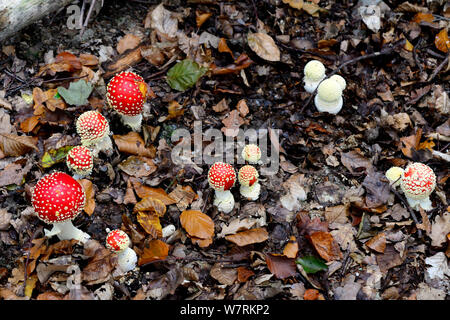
326	226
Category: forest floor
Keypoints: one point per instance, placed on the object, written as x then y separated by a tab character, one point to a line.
327	224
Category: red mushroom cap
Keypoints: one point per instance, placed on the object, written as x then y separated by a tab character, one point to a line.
117	240
248	175
92	126
221	176
126	93
418	181
57	197
80	159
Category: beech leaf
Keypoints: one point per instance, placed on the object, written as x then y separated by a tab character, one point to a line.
184	75
77	93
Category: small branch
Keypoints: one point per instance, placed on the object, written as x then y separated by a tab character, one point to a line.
439	68
384	51
212	260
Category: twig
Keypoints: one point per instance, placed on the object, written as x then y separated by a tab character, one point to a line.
439	68
384	51
213	260
411	212
416	58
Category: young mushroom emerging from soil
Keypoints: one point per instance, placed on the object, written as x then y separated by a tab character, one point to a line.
80	160
93	129
221	177
251	153
417	183
118	241
57	199
393	175
329	96
248	179
314	73
339	79
126	93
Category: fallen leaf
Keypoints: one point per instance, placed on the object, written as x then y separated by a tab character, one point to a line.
201	17
158	193
242	108
221	106
442	41
296	4
183	196
281	266
232	122
89	206
312	294
137	166
421	16
150	223
163	20
155	250
377	243
440	228
132	143
243	274
197	224
325	245
226	276
13	145
77	94
175	110
291	248
154	205
355	162
247	237
264	46
223	47
128	41
184	75
312	264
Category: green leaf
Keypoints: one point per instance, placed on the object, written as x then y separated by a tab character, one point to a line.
312	264
53	156
77	93
184	75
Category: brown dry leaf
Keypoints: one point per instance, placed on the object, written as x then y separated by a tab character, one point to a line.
377	243
29	124
313	294
100	265
221	106
296	4
243	274
408	144
151	204
226	276
137	166
307	226
325	245
427	144
223	47
175	110
150	223
153	55
163	20
389	259
13	173
54	101
183	196
155	250
88	60
129	194
158	193
232	122
122	62
264	46
242	62
128	41
50	295
202	243
13	145
64	62
201	17
441	41
281	266
440	229
422	16
247	237
89	206
197	224
355	162
291	248
132	143
242	108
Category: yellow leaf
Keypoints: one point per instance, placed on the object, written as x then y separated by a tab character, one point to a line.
441	41
150	223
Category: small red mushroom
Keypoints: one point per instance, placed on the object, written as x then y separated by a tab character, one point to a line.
417	183
57	199
221	177
126	93
118	241
93	129
248	179
79	159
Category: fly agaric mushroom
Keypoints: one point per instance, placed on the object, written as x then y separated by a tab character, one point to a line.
93	128
329	97
248	179
221	177
314	73
57	199
339	79
251	153
393	175
126	93
417	183
118	241
79	159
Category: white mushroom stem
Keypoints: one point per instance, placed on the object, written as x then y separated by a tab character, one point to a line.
224	201
332	107
127	259
100	145
134	122
67	231
252	192
416	204
311	85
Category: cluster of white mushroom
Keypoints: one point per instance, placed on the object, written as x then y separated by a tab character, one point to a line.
222	177
329	91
